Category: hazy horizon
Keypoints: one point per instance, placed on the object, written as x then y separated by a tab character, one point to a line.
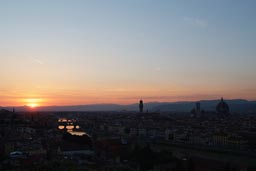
134	103
63	52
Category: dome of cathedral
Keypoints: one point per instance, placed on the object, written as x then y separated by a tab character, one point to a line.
222	107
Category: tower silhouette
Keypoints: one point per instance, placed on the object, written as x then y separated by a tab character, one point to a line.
141	106
198	107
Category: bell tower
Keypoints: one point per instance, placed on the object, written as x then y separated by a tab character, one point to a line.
141	106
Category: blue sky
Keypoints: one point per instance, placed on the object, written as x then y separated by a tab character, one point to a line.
111	51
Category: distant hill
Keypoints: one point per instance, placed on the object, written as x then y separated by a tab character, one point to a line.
236	105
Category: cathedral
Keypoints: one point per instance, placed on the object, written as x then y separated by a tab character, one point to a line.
222	107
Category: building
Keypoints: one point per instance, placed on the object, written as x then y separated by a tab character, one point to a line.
222	107
141	106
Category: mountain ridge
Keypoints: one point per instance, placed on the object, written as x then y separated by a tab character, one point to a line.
236	105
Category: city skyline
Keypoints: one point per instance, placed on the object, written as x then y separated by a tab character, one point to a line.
84	52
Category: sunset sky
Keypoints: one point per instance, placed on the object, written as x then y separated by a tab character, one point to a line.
67	52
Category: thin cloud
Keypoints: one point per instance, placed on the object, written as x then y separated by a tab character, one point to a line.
196	22
157	69
38	61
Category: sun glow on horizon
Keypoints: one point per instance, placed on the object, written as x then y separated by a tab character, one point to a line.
32	105
33	102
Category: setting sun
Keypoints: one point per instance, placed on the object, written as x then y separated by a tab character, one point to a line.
33	102
32	105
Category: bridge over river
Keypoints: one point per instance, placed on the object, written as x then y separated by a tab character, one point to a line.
68	124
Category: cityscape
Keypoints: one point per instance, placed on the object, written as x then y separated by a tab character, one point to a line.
127	85
129	140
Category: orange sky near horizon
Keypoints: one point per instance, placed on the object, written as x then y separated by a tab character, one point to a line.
63	86
61	97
